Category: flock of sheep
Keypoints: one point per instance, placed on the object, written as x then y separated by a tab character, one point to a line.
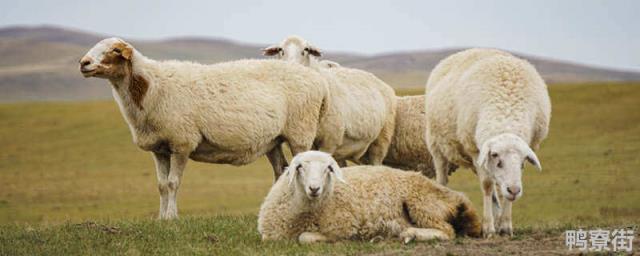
484	109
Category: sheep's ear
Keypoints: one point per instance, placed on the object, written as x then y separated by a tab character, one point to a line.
483	156
337	171
313	51
271	50
125	50
292	172
533	159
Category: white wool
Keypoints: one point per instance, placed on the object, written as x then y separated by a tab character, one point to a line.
487	110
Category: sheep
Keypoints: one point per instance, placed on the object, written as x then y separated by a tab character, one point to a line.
487	110
367	104
229	113
408	149
298	50
316	201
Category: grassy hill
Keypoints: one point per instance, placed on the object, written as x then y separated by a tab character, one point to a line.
40	63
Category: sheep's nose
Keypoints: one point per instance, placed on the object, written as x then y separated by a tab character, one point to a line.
514	190
84	62
314	190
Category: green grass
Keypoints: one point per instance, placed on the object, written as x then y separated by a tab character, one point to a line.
222	235
68	162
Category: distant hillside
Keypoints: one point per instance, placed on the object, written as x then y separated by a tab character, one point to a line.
40	63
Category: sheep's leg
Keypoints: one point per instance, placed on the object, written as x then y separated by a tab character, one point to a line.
311	237
442	169
163	164
424	214
277	160
505	226
380	146
423	234
497	202
488	228
178	163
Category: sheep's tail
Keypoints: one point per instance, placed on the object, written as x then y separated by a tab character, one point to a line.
466	221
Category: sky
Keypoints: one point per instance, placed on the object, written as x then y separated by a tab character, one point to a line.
601	33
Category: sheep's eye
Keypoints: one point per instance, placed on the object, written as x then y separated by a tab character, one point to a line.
330	168
116	50
494	155
299	168
499	164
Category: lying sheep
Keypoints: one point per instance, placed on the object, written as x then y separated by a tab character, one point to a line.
229	113
317	201
487	110
408	150
366	104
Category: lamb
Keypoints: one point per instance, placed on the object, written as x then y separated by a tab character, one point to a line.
408	149
487	110
229	113
316	201
366	104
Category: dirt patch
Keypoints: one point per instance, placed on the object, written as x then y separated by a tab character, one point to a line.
534	243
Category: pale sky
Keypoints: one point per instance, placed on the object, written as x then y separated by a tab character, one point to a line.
602	33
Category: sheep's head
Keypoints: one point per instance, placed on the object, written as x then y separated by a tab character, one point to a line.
107	59
294	49
313	173
503	158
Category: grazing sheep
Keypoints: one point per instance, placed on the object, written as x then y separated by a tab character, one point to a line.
229	113
366	104
487	110
367	202
408	149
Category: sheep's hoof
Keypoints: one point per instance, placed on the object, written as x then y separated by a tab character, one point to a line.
488	230
407	236
423	234
167	216
505	228
310	237
506	231
408	240
488	233
376	239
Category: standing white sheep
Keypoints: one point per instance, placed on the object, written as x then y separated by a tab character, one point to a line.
487	110
408	149
308	204
228	113
366	105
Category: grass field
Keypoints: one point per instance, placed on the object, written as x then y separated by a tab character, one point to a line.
72	181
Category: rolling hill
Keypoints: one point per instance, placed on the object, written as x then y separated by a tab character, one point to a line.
40	63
